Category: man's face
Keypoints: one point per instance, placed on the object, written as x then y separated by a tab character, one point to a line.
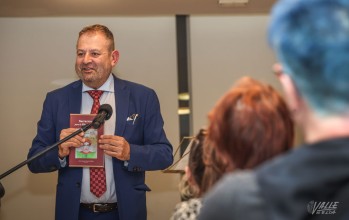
94	60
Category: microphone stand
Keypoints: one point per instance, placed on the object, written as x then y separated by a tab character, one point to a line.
2	191
82	129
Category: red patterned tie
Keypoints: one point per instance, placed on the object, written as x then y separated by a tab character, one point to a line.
98	184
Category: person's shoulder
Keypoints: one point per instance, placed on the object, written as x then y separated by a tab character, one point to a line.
60	94
187	209
282	162
234	197
237	184
137	91
132	85
66	88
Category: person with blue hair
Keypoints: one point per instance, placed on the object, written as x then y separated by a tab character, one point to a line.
311	41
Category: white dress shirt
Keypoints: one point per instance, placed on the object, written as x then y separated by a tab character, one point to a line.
109	128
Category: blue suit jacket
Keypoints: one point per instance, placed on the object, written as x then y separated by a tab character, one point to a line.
150	149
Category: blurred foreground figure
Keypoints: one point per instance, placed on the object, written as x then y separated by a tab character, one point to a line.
311	41
240	136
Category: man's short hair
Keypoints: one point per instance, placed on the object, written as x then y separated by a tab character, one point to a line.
101	29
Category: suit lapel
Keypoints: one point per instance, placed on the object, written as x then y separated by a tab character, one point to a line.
122	95
75	98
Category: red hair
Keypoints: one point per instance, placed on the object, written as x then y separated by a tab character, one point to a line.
250	124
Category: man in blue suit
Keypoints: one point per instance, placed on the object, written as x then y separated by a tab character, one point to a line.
134	140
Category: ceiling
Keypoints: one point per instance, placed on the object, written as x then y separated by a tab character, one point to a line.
54	8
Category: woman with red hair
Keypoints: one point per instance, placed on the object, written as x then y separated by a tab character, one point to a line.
250	124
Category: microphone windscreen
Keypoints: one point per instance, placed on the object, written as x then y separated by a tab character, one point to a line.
107	109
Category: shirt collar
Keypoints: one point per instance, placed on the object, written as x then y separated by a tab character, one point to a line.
108	86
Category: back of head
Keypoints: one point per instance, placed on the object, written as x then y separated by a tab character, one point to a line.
250	124
195	162
311	39
190	185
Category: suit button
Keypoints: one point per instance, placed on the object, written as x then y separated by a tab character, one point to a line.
78	184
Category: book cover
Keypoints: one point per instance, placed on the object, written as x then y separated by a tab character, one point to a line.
89	154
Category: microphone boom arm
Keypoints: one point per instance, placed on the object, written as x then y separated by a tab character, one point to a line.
104	113
82	129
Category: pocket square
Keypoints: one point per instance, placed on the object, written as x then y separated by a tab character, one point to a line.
133	118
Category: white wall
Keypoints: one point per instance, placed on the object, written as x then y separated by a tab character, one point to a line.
223	49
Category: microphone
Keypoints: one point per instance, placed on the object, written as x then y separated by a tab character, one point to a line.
105	111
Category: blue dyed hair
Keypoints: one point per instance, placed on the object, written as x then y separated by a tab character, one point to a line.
311	40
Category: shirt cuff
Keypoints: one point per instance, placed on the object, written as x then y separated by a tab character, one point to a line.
125	163
63	161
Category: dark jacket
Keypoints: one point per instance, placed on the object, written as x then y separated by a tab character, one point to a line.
309	182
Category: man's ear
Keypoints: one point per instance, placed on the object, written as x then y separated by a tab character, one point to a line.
291	93
187	172
189	175
115	57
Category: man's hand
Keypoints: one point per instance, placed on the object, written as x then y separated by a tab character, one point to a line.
76	141
115	146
